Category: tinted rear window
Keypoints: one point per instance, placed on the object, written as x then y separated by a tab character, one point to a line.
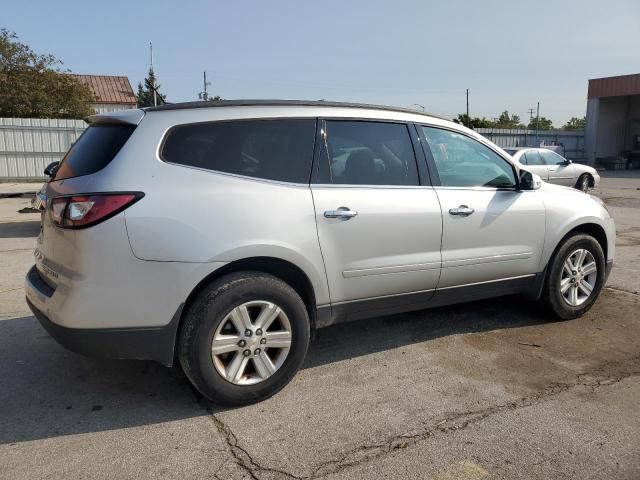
93	151
370	153
270	149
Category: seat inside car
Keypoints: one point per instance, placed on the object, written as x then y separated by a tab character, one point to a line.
360	168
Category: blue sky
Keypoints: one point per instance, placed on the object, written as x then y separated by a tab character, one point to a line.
510	54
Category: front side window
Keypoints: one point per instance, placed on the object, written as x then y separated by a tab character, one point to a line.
552	158
370	153
464	162
532	157
270	149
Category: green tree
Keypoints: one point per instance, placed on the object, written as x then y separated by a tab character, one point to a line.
32	85
541	123
217	98
508	121
473	122
144	95
575	123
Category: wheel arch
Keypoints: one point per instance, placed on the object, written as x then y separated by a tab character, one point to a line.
284	270
589	228
593	229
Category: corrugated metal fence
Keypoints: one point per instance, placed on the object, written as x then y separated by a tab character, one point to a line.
572	141
27	145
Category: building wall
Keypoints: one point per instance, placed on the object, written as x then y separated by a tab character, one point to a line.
634	124
28	145
610	132
617	121
111	107
593	112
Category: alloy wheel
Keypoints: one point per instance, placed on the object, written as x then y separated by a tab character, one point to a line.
251	343
578	277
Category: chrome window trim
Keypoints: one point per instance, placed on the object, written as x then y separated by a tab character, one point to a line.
394	187
238	176
482	189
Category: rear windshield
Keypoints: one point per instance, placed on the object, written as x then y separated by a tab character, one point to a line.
93	151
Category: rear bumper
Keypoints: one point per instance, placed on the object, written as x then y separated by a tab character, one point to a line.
154	343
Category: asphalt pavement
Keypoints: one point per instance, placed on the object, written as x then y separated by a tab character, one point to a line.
492	389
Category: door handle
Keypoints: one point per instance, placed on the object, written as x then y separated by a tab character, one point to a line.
462	211
343	213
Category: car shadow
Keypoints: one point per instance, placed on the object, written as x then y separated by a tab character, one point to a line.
20	229
353	339
46	391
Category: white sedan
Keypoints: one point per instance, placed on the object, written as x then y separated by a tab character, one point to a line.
554	168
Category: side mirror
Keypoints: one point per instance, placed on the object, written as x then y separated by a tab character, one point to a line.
50	170
529	181
567	161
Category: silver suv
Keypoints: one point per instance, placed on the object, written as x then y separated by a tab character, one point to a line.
219	235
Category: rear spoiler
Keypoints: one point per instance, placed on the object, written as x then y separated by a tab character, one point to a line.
128	117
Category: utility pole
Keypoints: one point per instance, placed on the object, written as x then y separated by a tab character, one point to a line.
153	76
468	119
531	110
204	95
537	124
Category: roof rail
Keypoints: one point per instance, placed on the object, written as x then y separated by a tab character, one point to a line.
284	103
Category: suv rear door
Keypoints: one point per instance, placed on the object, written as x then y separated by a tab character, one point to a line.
379	228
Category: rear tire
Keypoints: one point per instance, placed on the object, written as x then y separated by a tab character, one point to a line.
210	321
575	277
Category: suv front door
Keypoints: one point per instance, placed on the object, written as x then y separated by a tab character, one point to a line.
379	229
491	231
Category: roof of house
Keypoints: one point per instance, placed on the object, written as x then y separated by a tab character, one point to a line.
621	85
109	88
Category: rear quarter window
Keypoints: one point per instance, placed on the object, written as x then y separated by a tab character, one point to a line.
279	150
94	150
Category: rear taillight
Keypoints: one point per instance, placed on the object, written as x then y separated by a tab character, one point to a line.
82	211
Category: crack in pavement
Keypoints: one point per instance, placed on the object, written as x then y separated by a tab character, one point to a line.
244	459
618	289
603	375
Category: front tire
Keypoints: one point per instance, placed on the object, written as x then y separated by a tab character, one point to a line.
584	182
244	337
575	277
